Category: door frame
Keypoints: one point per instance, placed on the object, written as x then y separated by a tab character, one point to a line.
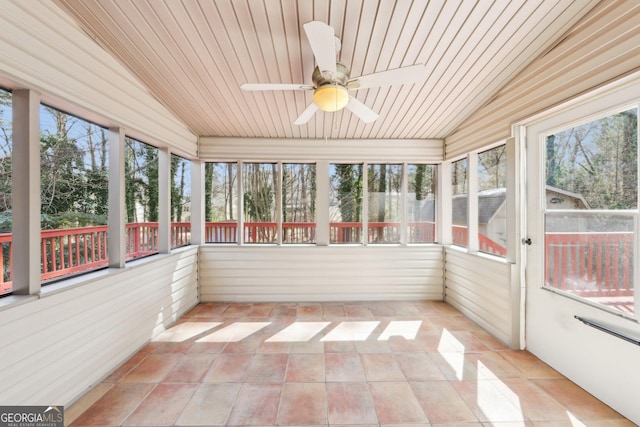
581	353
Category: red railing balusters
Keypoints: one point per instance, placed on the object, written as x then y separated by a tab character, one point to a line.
588	264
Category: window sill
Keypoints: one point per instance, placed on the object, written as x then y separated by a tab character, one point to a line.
482	255
16	300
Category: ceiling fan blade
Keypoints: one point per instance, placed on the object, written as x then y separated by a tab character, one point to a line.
306	114
323	44
410	74
275	86
365	113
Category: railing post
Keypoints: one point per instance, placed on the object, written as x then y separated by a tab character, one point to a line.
136	239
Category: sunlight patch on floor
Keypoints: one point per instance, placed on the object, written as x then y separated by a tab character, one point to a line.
448	343
235	332
351	331
299	332
185	331
495	406
407	329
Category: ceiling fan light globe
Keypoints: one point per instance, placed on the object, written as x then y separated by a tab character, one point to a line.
331	97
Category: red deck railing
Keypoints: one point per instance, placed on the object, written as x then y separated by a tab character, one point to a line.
590	264
586	264
304	232
74	250
486	244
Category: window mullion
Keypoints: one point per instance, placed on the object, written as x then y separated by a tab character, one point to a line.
405	209
365	204
240	227
444	211
117	208
322	203
473	243
198	217
164	201
279	207
26	226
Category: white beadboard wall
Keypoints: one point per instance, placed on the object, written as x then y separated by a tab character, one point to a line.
56	347
481	288
320	273
602	47
41	48
349	150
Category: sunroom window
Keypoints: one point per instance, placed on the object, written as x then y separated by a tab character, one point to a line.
384	195
345	203
259	186
180	201
492	201
73	194
221	202
5	191
141	198
421	203
459	204
298	203
591	215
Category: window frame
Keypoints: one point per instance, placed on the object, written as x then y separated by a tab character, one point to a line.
582	119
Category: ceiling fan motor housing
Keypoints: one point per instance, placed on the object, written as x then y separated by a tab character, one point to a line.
331	88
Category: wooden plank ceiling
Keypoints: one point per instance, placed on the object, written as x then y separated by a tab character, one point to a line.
193	55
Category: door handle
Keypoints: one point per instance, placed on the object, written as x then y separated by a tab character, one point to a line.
526	241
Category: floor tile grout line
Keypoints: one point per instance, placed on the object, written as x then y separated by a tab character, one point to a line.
501	353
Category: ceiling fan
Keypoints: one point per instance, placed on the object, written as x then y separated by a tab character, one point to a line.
331	81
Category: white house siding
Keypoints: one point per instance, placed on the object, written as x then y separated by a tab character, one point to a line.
602	47
42	49
480	287
55	347
322	273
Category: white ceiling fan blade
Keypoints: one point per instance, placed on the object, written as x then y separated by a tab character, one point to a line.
365	113
322	40
275	86
306	114
410	74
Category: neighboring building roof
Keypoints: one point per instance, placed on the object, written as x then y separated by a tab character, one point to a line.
489	201
578	198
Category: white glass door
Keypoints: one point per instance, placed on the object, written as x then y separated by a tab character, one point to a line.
582	218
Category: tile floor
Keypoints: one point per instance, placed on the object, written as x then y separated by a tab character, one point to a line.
319	364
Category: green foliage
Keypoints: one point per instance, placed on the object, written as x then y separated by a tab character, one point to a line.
492	168
74	176
258	204
71	220
141	181
597	160
74	185
298	192
208	192
459	176
419	182
348	182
